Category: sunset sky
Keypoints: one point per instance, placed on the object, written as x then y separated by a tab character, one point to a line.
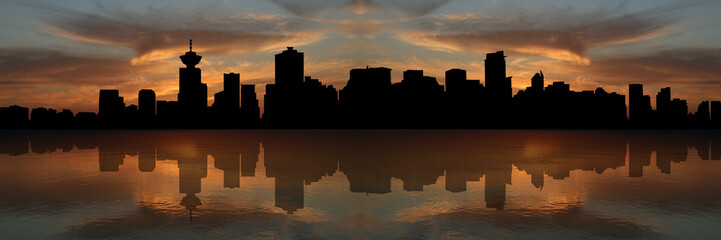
60	53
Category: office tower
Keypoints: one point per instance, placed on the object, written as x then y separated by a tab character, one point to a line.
367	85
283	99
455	78
703	114
227	102
716	112
289	68
249	110
678	110
193	94
412	75
537	82
66	117
44	117
146	103
231	88
663	101
365	100
497	84
111	105
639	105
369	78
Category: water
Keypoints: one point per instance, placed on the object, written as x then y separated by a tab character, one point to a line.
354	184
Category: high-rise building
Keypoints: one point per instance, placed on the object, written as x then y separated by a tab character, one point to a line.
703	113
639	105
498	85
231	87
146	103
227	102
663	101
289	68
249	110
193	94
455	79
716	112
537	82
111	105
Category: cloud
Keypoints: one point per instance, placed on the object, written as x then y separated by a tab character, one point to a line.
360	17
163	33
335	10
556	33
40	66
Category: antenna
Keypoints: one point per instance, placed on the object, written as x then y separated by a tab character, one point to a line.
191	45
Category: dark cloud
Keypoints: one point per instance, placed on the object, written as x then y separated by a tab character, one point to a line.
556	33
160	33
698	67
383	11
39	66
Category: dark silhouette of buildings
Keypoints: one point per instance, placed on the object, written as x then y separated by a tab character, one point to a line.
365	100
111	105
226	108
294	100
249	109
716	113
371	100
146	104
498	85
639	105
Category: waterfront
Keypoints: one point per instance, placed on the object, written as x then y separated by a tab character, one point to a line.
360	184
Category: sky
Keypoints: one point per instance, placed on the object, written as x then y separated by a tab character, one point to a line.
59	54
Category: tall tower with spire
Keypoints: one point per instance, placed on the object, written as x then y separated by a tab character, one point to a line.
193	94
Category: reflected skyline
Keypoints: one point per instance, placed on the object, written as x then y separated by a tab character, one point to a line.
372	159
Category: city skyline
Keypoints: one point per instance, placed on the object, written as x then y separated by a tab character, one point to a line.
59	55
371	100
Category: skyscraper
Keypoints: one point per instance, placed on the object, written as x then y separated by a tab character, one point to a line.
703	114
537	82
231	87
716	112
663	101
497	84
228	100
639	105
289	68
146	103
455	78
111	105
249	110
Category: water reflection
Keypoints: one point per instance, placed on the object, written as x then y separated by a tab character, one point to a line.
371	160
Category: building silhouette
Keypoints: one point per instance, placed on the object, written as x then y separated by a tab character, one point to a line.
370	99
639	105
226	108
249	109
111	105
147	104
497	83
295	100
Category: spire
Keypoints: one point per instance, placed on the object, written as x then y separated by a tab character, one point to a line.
191	45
